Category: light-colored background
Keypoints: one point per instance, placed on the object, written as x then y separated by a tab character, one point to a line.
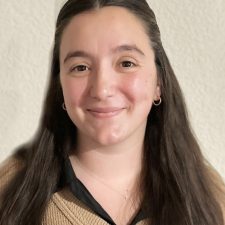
193	34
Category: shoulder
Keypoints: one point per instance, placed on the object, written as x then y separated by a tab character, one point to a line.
8	170
218	187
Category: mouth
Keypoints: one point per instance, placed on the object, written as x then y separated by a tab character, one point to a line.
105	112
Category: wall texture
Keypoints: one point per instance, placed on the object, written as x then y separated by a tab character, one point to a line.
194	38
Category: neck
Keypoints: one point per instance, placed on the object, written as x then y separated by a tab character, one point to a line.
107	162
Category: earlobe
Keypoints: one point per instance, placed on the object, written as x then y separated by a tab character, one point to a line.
157	93
157	98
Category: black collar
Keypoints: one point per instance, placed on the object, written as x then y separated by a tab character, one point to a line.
81	193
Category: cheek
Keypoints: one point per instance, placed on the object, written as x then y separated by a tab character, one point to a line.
73	90
140	88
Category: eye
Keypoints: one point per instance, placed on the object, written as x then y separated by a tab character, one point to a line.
127	64
79	68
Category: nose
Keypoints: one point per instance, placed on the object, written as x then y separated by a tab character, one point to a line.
102	84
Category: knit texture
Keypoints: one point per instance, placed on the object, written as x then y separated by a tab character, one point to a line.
63	207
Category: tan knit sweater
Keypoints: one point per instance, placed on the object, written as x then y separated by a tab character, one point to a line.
63	208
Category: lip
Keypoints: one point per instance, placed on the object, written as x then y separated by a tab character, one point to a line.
106	112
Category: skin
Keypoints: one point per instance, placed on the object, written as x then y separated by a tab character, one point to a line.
109	91
109	81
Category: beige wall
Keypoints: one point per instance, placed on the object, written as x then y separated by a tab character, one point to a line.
193	34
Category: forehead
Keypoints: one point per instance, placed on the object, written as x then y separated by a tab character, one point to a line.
101	29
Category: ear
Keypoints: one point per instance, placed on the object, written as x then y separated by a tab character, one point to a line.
157	93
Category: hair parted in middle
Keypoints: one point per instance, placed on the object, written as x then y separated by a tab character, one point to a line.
175	180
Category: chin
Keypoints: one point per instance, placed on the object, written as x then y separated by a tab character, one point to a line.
107	140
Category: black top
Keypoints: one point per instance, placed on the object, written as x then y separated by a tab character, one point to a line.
81	192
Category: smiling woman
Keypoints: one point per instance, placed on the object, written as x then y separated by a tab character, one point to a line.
114	144
109	81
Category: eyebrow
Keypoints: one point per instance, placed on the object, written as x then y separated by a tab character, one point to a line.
134	48
120	48
75	54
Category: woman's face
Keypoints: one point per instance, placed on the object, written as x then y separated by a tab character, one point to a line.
108	75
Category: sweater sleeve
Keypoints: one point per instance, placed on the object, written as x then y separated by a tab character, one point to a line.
8	170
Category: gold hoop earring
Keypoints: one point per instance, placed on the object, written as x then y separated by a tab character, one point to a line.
64	106
157	103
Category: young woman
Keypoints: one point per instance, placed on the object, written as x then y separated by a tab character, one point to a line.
114	145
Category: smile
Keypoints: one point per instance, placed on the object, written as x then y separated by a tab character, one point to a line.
105	112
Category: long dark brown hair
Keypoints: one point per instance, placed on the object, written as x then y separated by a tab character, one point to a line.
176	180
